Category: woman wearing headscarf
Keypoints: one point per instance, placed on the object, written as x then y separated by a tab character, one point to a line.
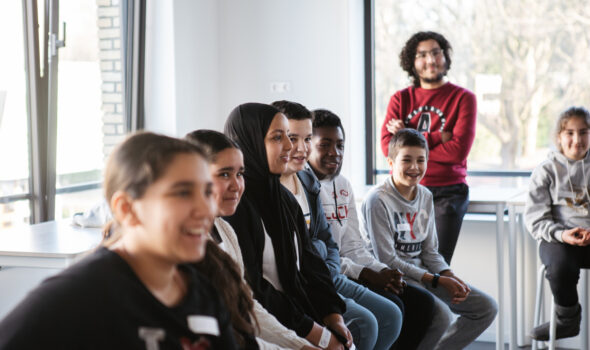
287	276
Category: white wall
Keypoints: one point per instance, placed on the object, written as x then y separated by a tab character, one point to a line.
303	43
160	88
206	57
197	65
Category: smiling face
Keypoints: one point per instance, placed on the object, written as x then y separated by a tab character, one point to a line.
228	180
430	64
408	168
277	144
175	213
574	139
327	150
300	136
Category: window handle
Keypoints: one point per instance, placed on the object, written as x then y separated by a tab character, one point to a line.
55	43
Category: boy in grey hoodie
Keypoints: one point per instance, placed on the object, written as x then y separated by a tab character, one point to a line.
556	214
398	216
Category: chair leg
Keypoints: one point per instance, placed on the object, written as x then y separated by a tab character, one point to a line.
538	303
552	326
584	302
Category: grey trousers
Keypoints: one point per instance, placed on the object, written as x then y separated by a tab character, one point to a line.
476	314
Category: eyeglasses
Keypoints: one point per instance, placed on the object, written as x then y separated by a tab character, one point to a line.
435	53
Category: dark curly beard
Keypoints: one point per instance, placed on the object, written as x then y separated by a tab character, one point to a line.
439	77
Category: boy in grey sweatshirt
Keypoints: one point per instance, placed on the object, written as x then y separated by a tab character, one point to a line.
398	216
556	214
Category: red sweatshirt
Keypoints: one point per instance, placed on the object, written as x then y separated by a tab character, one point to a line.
449	108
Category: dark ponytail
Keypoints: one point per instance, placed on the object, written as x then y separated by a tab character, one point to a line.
224	275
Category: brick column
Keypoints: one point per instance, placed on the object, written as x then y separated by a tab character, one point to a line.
110	55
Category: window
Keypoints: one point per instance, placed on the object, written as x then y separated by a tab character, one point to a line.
522	59
68	98
89	84
14	151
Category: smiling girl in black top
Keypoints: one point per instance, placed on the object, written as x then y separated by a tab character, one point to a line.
137	291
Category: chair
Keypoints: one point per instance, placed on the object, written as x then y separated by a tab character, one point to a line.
539	304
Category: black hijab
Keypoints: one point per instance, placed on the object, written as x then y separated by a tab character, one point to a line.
248	125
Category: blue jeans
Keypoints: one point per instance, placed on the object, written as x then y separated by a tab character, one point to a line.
374	321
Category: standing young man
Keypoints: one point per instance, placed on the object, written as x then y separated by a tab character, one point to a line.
445	115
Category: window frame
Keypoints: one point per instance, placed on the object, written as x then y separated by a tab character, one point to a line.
369	47
41	99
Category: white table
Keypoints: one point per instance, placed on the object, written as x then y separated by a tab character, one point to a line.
30	254
53	244
494	200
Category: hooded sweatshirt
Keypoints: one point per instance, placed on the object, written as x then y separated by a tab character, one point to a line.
558	197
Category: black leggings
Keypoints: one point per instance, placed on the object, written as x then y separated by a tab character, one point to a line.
450	205
563	262
417	306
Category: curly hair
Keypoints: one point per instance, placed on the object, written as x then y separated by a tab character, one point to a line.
407	56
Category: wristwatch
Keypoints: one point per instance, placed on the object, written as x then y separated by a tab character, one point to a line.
435	278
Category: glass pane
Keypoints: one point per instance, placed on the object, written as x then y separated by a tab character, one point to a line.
90	108
14	150
522	59
14	214
68	204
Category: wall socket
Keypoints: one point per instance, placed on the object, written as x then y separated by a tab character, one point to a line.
280	87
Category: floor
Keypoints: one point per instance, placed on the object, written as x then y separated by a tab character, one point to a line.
489	346
486	346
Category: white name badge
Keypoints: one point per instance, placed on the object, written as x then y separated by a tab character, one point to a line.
403	227
203	325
